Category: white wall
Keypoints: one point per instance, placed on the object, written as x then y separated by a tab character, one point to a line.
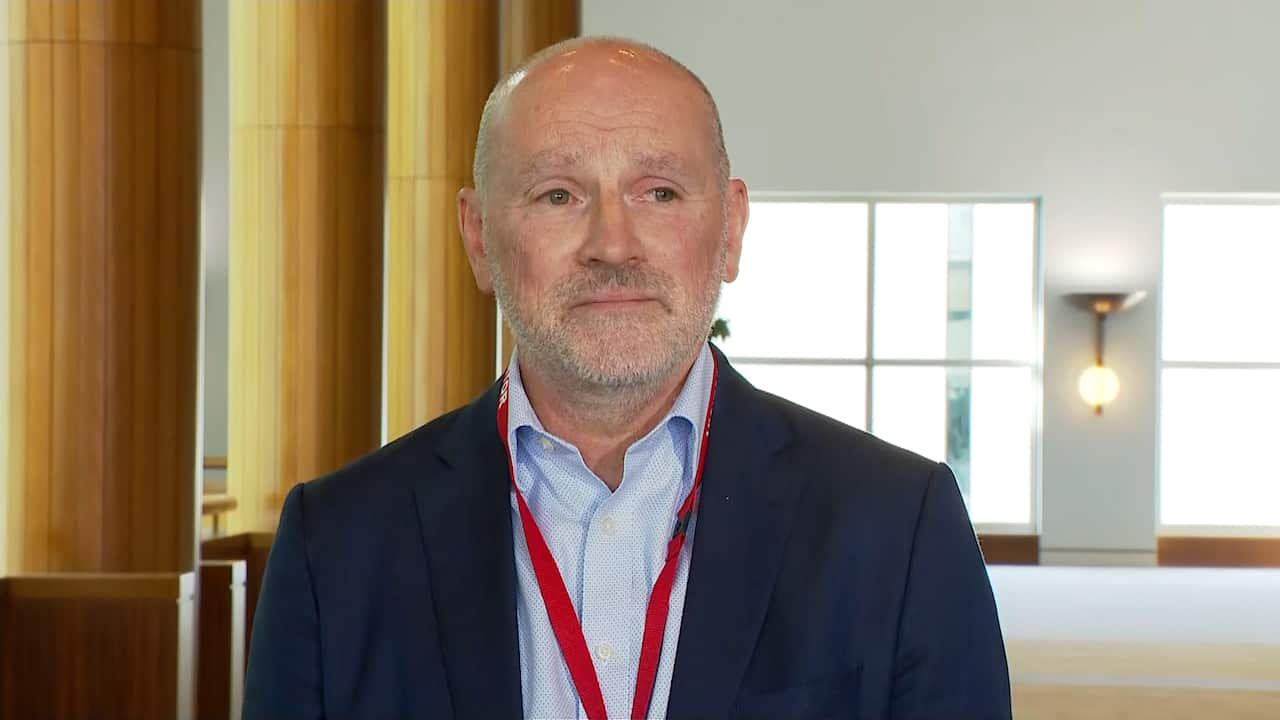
1098	106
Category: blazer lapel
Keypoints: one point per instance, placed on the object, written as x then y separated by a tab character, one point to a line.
466	528
744	516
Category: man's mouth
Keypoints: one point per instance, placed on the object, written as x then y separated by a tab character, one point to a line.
616	299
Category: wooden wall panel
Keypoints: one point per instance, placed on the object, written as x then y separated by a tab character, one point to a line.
308	144
101	646
104	260
253	549
1010	549
441	65
220	640
1218	552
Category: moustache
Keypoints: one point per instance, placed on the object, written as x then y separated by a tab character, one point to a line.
618	278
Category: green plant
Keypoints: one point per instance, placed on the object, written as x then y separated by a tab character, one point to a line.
719	329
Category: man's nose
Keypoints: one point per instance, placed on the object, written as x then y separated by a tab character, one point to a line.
611	237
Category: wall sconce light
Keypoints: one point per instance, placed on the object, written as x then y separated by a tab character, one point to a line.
1099	384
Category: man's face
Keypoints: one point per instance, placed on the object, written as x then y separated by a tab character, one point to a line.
606	229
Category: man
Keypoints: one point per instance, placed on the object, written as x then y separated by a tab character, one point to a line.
623	526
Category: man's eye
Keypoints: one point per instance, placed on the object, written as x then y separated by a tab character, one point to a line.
558	197
663	194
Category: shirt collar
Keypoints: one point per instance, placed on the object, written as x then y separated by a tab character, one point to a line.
690	404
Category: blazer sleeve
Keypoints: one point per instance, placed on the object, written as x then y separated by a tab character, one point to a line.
950	660
283	679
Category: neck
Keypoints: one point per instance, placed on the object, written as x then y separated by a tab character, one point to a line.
602	422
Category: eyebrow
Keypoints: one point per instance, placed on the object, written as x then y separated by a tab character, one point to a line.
545	162
553	160
662	162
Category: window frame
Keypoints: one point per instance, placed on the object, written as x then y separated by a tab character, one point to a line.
1035	364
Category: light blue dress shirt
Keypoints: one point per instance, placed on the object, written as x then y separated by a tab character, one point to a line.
609	546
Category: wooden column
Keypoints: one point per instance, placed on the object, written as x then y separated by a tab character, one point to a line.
103	256
308	104
525	27
442	63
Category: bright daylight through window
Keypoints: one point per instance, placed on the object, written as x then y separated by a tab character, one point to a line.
1220	376
913	320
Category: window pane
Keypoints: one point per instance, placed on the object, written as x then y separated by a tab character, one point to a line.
1220	290
954	281
999	445
835	391
1004	236
911	280
1217	432
977	420
909	408
802	288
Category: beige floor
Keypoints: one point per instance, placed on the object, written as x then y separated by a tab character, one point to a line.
1076	702
1212	665
1144	681
1141	643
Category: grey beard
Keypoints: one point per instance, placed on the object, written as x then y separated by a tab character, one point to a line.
553	347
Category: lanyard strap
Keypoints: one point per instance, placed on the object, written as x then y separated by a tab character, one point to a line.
560	610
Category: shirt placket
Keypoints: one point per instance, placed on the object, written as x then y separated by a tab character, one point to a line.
608	608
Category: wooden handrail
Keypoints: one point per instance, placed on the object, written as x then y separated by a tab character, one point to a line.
216	505
213	504
235	547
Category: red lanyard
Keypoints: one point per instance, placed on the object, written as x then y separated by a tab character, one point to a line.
560	610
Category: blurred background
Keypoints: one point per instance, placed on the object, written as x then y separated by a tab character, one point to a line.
1035	240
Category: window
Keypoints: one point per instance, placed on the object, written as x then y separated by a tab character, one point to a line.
1220	375
913	320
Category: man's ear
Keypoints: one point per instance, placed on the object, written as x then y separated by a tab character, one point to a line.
471	223
739	208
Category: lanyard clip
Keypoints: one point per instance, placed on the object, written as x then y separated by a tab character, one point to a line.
682	523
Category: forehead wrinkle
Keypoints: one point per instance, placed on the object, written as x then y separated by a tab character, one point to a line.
575	101
603	122
572	127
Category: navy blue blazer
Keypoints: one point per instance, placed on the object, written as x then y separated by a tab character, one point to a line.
833	576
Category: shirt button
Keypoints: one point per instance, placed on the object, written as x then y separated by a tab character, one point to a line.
546	444
604	651
608	525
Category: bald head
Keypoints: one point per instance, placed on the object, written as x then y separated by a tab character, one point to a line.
536	76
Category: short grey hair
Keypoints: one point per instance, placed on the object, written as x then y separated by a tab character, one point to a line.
500	93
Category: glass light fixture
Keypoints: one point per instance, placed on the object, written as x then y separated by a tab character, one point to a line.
1099	385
